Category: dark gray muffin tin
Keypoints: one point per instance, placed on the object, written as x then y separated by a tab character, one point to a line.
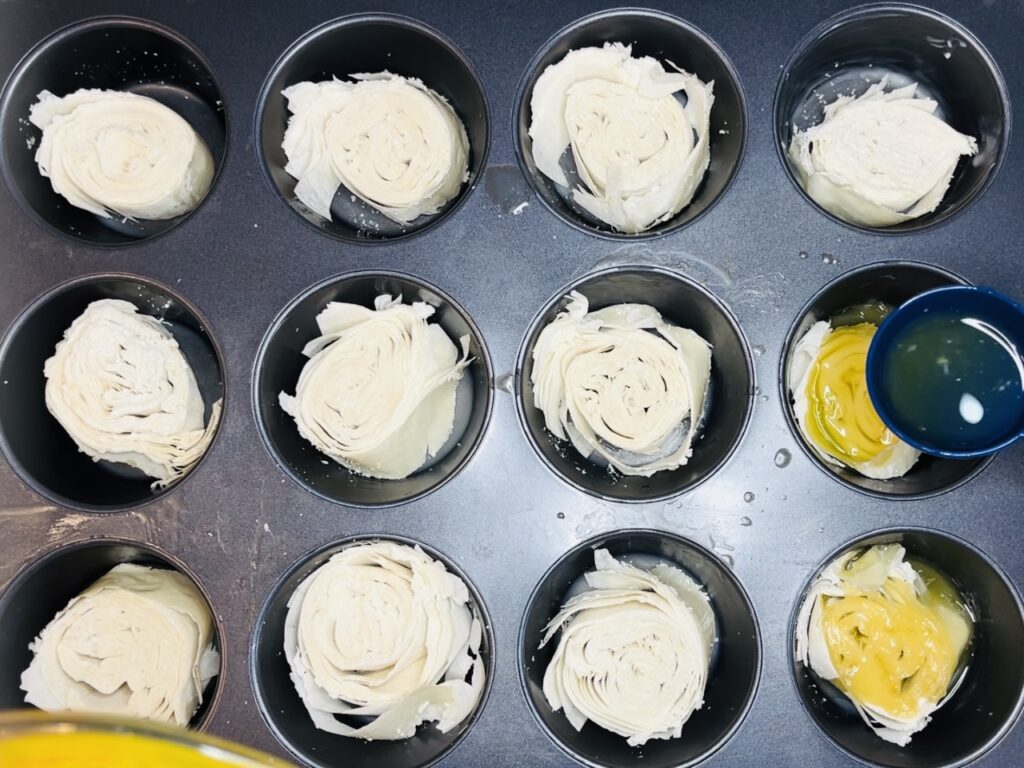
238	523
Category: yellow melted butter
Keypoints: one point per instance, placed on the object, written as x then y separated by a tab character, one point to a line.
841	420
894	648
112	750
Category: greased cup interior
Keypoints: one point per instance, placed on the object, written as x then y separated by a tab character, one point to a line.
370	43
38	448
988	701
280	361
682	302
45	586
735	662
284	712
665	38
892	283
851	51
115	53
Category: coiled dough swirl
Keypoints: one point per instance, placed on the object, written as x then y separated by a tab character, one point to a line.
881	158
122	389
137	643
389	140
623	384
383	630
113	152
634	651
378	392
639	153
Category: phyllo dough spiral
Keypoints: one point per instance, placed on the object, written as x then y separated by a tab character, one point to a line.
122	389
114	152
633	651
378	392
623	384
881	158
384	631
137	643
390	140
639	152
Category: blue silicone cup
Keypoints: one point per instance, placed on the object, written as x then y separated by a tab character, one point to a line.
985	303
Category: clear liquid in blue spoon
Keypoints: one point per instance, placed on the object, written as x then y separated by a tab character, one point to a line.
945	371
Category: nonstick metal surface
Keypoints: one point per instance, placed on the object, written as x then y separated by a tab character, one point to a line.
239	522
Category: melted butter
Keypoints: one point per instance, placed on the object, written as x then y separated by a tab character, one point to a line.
85	749
841	419
896	648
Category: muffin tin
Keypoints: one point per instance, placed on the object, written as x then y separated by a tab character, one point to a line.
760	255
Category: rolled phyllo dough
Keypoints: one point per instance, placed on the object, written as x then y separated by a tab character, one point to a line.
378	392
122	389
633	651
110	152
389	140
623	384
384	631
639	150
881	158
137	643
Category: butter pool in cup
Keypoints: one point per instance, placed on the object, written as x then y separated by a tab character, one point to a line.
989	697
899	44
889	283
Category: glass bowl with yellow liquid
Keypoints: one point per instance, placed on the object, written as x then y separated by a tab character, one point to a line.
32	739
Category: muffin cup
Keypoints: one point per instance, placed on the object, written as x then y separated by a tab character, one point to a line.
732	680
852	50
38	448
280	361
287	717
685	303
47	583
367	43
116	53
892	282
665	38
988	701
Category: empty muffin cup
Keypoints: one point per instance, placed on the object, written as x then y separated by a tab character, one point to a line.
890	283
284	711
114	53
855	49
38	448
681	302
989	699
362	44
280	361
47	583
668	39
735	660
